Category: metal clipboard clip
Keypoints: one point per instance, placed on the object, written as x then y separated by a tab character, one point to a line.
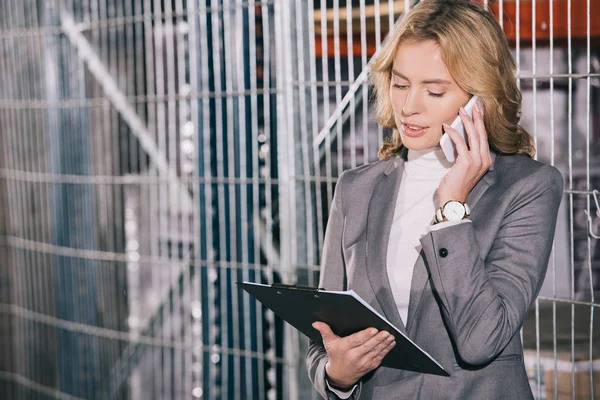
595	193
295	287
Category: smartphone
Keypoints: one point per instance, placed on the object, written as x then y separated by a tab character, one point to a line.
446	143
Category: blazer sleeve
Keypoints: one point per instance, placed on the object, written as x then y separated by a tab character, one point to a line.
333	277
484	301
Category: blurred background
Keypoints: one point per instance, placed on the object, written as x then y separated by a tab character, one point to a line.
154	152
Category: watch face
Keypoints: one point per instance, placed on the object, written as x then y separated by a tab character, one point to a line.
454	211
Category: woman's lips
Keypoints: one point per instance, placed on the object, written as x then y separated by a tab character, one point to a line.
409	130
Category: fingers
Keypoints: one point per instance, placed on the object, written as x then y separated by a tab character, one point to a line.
483	142
360	338
353	356
459	141
373	359
382	345
383	352
471	132
368	342
375	344
477	154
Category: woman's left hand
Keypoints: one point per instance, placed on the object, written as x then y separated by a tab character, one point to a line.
472	162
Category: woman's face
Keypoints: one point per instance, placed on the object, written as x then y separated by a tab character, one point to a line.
424	95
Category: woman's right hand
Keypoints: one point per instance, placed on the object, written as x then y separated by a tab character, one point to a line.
353	356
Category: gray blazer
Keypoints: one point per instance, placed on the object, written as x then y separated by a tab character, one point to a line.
472	284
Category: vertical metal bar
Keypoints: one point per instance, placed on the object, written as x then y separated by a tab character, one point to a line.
534	72
210	212
267	84
77	199
518	41
162	120
539	369
378	47
314	129
338	78
377	24
251	264
45	272
156	72
6	65
188	314
304	254
572	221
285	122
518	62
351	77
552	157
501	12
102	38
139	68
286	157
391	15
7	201
365	110
14	189
23	154
23	165
172	212
203	117
65	145
239	245
102	278
127	82
305	142
256	173
195	359
149	189
223	107
588	159
182	90
93	286
13	201
98	37
234	61
325	80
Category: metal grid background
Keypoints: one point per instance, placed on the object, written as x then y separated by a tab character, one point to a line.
154	152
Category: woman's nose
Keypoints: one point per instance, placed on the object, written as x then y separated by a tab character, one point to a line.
411	105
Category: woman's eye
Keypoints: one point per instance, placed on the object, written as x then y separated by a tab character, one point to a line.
432	94
397	86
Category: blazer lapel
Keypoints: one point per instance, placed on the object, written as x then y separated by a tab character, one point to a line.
379	221
417	285
420	273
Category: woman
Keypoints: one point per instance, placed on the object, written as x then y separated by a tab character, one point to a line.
400	233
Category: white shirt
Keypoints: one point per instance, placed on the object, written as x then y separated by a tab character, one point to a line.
415	208
413	216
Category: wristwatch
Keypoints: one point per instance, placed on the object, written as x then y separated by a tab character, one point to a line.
453	210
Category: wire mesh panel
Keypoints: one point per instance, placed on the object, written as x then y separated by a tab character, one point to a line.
140	186
155	152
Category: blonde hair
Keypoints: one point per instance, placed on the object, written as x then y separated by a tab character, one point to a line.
478	58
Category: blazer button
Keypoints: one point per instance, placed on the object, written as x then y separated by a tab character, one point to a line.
443	252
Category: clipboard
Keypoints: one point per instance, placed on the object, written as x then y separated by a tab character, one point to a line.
346	313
